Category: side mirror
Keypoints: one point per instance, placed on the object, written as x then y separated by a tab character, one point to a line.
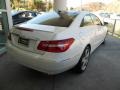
105	23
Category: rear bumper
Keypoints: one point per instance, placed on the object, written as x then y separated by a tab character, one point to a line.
35	61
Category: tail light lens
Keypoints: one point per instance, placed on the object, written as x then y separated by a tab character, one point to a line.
55	46
9	36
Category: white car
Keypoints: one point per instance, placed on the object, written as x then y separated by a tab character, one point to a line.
56	41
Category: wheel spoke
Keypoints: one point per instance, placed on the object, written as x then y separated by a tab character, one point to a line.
85	59
87	54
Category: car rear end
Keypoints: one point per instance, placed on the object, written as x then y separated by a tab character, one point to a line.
42	48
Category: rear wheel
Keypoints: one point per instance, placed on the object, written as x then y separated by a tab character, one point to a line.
83	62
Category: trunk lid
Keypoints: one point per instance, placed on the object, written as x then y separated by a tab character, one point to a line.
28	36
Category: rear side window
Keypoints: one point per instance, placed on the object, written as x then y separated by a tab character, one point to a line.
96	20
54	19
87	21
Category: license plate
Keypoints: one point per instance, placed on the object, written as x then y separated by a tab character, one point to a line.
23	41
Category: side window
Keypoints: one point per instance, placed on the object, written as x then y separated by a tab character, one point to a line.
22	15
86	21
31	15
34	14
96	20
15	16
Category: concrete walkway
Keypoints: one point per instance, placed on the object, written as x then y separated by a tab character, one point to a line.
103	73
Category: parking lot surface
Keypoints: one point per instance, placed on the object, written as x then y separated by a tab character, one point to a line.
103	73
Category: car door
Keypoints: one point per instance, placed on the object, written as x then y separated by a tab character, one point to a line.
100	32
88	30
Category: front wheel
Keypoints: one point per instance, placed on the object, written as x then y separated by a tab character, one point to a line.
83	62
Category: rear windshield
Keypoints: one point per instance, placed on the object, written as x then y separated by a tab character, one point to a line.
62	19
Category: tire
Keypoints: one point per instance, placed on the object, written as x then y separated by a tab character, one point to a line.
83	62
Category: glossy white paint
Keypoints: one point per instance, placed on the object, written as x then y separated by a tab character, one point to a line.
54	63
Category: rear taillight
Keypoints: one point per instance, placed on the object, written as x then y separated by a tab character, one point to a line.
9	36
55	46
